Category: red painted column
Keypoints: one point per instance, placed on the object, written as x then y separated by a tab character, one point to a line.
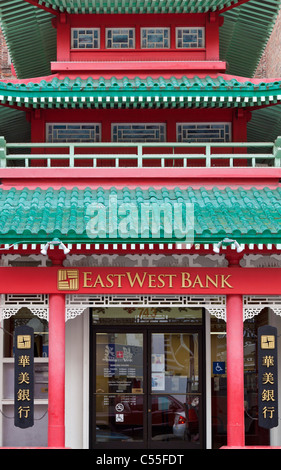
235	367
56	407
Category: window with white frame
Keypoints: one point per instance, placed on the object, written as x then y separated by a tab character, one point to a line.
88	38
120	38
153	38
187	37
138	132
73	132
204	132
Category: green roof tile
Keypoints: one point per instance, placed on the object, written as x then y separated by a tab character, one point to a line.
39	215
140	93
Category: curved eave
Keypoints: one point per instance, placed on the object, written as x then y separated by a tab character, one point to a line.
194	92
245	33
30	37
130	6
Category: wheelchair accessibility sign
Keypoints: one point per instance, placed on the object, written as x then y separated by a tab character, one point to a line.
218	367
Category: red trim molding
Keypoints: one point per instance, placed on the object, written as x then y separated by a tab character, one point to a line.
132	177
141	67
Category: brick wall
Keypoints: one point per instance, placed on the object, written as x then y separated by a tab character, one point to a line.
270	64
5	66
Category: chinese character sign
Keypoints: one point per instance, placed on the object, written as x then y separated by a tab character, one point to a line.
24	376
267	377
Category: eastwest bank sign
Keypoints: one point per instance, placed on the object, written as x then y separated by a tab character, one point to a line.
122	280
151	280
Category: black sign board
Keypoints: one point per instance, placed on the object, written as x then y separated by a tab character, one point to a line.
24	377
267	377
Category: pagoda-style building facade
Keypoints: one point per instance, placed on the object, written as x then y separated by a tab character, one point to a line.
140	224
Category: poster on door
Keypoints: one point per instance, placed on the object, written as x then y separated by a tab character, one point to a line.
119	368
158	372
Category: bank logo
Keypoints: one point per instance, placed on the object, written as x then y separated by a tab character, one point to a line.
23	341
267	342
68	279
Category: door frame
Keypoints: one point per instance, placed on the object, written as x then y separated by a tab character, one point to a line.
147	330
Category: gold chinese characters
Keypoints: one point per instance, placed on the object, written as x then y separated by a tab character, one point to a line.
268	406
24	376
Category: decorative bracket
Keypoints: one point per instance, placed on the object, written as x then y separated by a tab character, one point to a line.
76	304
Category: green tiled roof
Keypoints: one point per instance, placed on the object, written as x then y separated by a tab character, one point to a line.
30	37
39	215
140	93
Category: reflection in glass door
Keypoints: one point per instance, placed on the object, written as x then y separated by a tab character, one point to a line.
146	388
175	394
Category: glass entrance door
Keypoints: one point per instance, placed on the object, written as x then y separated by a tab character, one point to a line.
147	388
120	381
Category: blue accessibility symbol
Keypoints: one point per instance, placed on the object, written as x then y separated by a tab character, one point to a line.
219	367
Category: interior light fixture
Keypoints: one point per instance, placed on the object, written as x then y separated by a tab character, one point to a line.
56	241
227	241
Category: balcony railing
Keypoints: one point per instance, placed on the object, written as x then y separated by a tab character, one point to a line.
169	154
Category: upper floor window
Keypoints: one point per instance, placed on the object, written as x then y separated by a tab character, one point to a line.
80	132
120	38
152	38
85	38
138	132
148	37
203	132
190	37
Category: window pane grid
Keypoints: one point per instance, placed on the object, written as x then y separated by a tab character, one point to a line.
152	38
85	38
204	132
73	133
120	38
138	132
190	37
